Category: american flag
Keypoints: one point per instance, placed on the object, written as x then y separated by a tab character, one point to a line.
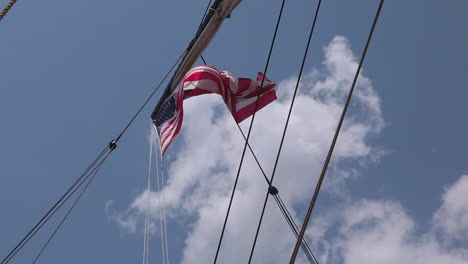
239	94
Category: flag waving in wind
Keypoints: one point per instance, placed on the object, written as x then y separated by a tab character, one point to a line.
239	94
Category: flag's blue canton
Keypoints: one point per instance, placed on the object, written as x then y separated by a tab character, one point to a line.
167	112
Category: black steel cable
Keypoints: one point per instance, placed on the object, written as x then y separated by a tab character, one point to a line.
286	126
169	88
282	206
305	246
67	194
253	154
205	13
295	230
93	173
58	207
203	59
250	129
335	138
51	211
289	219
149	97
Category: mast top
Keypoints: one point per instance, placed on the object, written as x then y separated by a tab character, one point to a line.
220	10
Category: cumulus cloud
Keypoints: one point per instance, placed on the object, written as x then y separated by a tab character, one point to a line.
204	159
366	231
452	217
125	221
206	155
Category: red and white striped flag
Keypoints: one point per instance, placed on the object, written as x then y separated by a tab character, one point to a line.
239	94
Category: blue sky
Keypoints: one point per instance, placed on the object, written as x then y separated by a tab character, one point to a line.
73	74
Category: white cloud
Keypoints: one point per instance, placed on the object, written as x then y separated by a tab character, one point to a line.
204	161
126	222
379	232
452	217
209	149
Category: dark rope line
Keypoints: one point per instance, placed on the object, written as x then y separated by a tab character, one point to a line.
335	138
304	241
203	59
282	207
286	127
168	91
60	206
304	245
67	194
7	8
51	211
149	97
201	24
253	154
96	170
250	130
295	230
48	217
205	13
245	140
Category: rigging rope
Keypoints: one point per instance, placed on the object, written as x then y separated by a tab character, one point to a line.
250	130
58	204
148	203
164	213
285	128
7	8
281	206
161	224
205	13
72	188
304	245
149	97
93	173
335	138
162	205
203	59
216	14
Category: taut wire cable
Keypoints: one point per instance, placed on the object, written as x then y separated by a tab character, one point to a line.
335	138
164	212
250	130
305	246
73	187
162	204
57	205
148	204
93	173
284	210
317	9
149	97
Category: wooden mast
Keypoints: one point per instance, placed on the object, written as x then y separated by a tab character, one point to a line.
220	10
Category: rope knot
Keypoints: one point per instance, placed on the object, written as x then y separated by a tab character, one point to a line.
113	144
272	190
